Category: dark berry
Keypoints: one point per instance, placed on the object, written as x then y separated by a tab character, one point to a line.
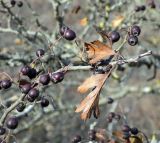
125	128
40	52
12	123
117	117
57	77
110	100
32	73
134	131
5	84
69	35
44	102
13	2
33	93
25	70
26	88
142	7
2	130
132	40
76	139
114	36
135	30
21	107
44	79
30	99
19	3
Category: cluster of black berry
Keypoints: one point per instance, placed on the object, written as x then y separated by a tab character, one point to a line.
127	131
29	89
133	35
44	79
14	2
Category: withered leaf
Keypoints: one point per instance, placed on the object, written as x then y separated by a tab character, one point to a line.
90	103
90	82
97	51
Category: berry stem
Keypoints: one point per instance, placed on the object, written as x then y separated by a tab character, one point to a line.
12	107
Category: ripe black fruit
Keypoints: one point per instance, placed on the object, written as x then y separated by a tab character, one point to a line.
44	102
44	79
32	73
21	107
33	93
67	33
134	131
76	139
12	123
114	36
5	84
2	130
19	3
40	52
25	70
140	8
26	88
132	40
135	30
13	2
57	77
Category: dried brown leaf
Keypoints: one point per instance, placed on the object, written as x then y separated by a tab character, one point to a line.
97	51
90	103
90	82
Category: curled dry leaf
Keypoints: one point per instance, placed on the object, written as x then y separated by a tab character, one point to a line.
90	82
89	105
97	51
